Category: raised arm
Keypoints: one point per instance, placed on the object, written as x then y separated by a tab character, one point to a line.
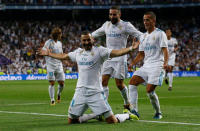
116	53
47	52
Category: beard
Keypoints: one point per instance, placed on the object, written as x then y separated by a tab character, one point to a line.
114	20
88	46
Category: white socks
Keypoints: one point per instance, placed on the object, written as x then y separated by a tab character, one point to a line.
154	101
60	88
51	92
170	75
124	93
133	97
122	117
106	91
86	117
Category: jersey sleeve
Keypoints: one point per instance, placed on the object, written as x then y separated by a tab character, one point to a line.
46	45
141	46
100	31
72	55
104	53
131	30
175	41
163	40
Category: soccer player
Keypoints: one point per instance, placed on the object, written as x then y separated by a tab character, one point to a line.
117	32
153	49
89	91
172	48
54	67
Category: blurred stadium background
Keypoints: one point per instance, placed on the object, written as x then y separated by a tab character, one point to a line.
26	24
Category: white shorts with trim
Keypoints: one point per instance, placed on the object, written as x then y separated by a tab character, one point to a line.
96	102
151	75
171	60
115	69
56	74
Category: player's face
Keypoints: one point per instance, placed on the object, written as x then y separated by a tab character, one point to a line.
86	41
168	33
114	16
149	22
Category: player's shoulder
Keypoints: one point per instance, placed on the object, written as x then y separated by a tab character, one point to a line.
49	41
173	38
159	30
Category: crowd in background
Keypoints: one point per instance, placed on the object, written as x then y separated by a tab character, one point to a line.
94	2
19	41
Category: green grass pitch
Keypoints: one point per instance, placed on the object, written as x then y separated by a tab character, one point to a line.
19	100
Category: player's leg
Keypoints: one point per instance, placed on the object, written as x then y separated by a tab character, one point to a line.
133	93
105	80
52	92
77	107
154	100
51	78
123	90
166	77
170	74
60	77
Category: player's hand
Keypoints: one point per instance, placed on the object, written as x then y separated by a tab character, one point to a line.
165	66
135	43
42	52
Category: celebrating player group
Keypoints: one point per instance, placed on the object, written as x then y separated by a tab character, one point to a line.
96	64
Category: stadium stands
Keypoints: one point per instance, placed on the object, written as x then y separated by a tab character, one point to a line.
19	41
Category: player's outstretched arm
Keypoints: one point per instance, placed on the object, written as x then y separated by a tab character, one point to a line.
116	53
47	52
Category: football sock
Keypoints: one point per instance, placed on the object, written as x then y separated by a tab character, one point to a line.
154	101
122	117
124	93
106	91
51	92
60	88
170	79
133	96
86	117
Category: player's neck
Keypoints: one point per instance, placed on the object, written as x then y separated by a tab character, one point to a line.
169	37
151	29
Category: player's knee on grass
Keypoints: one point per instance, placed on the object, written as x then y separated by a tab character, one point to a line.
111	119
136	80
73	119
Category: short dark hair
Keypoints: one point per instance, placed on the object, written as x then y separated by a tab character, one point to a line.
86	32
116	8
56	32
151	13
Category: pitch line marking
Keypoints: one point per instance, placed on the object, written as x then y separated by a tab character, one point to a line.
23	104
42	114
171	97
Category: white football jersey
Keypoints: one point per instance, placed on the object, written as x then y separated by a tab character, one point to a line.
89	66
117	35
56	47
152	45
171	44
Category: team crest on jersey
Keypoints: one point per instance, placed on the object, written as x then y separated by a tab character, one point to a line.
120	27
154	38
92	53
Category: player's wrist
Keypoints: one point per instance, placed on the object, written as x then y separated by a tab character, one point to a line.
131	48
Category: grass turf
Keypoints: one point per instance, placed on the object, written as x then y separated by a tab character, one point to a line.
182	105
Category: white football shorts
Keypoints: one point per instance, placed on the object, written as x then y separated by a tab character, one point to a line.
151	75
55	74
171	60
115	69
96	102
